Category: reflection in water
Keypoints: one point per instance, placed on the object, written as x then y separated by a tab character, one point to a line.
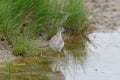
57	75
34	69
76	49
76	52
40	68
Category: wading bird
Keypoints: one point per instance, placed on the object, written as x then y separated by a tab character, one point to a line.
56	42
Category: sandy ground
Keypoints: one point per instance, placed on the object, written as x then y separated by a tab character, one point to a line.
104	14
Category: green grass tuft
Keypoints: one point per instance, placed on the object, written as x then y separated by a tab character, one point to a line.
22	20
23	45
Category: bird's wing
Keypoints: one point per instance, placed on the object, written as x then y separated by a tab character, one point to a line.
55	39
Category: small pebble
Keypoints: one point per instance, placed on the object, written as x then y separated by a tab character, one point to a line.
96	69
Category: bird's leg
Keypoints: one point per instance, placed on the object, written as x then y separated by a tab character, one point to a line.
58	61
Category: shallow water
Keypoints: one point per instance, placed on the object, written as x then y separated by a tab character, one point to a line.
95	58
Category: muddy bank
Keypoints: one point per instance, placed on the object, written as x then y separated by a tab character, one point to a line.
5	56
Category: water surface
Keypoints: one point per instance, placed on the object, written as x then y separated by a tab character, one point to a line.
94	58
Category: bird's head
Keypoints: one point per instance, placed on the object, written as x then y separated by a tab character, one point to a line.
60	29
